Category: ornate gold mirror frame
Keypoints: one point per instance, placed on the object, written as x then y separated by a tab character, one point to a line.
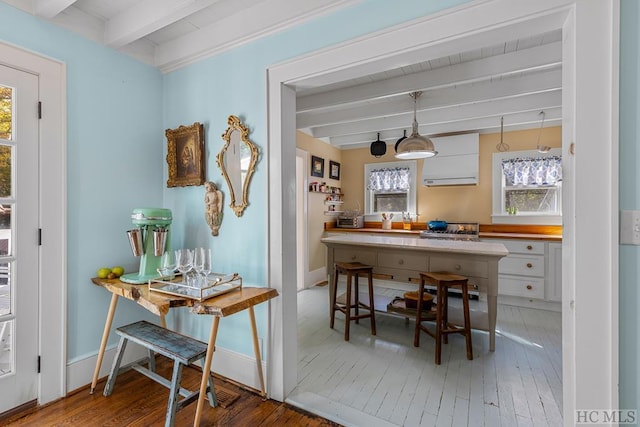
237	161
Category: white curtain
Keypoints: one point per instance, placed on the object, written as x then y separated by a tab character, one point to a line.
532	171
389	180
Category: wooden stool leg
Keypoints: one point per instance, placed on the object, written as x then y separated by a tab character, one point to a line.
439	320
174	393
416	334
111	381
356	297
467	321
348	308
371	304
445	311
334	291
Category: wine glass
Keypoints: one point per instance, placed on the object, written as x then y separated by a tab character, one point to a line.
167	265
206	264
184	258
198	261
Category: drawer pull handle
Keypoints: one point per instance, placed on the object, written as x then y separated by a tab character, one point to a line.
457	267
529	265
353	257
529	287
401	261
529	247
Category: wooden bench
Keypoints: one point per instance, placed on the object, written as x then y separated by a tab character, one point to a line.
183	350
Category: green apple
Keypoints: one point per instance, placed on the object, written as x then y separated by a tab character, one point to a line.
103	272
118	271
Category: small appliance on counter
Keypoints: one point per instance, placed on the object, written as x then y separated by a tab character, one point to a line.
148	241
350	219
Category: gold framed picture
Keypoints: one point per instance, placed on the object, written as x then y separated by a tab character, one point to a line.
185	155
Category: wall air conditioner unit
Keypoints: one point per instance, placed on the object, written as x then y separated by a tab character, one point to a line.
456	162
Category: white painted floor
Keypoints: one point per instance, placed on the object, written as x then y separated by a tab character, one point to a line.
384	380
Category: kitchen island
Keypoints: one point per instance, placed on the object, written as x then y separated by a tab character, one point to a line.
403	258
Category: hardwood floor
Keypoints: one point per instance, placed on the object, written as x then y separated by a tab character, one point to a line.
139	401
384	381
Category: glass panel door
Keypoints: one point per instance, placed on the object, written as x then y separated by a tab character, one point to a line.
19	250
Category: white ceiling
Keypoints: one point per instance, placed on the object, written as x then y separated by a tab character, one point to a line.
469	91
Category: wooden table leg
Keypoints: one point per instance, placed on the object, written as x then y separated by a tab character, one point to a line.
105	338
256	349
206	370
163	321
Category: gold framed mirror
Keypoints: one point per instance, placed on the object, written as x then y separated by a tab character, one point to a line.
237	161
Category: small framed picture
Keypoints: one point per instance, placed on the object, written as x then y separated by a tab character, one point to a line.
334	170
317	166
185	155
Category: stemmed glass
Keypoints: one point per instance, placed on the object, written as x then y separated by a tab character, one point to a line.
184	259
206	264
202	265
167	265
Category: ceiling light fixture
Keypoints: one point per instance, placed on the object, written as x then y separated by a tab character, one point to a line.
378	148
542	148
415	146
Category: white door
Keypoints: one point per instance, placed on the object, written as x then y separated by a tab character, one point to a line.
19	238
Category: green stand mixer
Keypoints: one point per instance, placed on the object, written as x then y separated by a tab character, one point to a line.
149	241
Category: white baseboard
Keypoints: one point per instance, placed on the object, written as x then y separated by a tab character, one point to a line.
317	276
235	366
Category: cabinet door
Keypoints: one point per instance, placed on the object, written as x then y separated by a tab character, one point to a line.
553	290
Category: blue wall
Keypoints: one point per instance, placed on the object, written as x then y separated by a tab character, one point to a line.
629	199
115	140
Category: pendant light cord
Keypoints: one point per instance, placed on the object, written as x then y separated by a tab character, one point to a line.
502	147
540	148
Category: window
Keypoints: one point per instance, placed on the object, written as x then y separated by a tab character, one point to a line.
527	187
390	187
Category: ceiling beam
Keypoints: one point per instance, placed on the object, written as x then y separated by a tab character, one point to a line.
426	119
548	55
260	20
147	16
47	9
447	97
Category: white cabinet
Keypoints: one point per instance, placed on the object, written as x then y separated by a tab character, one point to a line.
553	290
532	272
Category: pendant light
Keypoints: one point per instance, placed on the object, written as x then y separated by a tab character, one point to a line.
402	138
415	146
378	148
542	148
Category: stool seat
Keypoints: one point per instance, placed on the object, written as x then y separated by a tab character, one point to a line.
444	280
352	270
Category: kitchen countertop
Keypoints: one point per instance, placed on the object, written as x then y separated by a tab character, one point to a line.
411	242
552	234
522	236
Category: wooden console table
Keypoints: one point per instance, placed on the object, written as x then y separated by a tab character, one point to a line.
157	303
403	258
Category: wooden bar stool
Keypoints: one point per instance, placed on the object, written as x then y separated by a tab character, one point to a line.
352	270
443	281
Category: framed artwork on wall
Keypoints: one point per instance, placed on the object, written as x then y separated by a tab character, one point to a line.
334	170
185	155
317	166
